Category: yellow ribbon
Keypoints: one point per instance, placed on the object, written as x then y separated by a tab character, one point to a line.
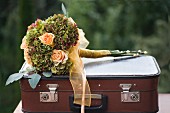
78	79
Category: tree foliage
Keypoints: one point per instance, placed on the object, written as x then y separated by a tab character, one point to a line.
123	24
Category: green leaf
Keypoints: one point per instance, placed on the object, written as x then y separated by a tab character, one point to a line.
30	69
35	78
14	77
47	74
64	9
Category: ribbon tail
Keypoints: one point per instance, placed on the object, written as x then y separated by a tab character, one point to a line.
82	93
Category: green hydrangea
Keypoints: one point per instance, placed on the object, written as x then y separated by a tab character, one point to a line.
65	36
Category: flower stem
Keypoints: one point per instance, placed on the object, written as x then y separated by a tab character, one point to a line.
103	53
116	53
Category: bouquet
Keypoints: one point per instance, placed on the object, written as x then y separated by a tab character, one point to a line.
48	43
54	47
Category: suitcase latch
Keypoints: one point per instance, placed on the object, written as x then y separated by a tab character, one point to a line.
52	95
127	96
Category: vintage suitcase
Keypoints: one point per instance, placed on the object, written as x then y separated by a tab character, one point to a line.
123	85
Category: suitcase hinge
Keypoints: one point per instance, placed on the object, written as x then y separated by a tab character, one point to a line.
127	96
51	96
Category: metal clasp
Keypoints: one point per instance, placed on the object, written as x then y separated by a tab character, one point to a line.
127	96
125	87
51	96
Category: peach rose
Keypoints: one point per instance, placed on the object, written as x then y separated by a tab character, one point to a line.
23	45
27	57
59	56
47	38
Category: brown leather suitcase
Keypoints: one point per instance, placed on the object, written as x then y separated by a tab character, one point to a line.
123	85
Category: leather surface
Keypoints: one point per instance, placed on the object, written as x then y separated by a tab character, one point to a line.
110	88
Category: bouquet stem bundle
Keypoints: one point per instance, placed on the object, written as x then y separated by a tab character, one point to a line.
103	53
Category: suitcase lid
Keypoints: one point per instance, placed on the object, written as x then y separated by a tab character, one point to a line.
116	67
143	66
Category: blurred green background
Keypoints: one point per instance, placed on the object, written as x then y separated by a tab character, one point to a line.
108	24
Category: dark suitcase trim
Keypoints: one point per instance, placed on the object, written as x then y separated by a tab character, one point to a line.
86	112
100	77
